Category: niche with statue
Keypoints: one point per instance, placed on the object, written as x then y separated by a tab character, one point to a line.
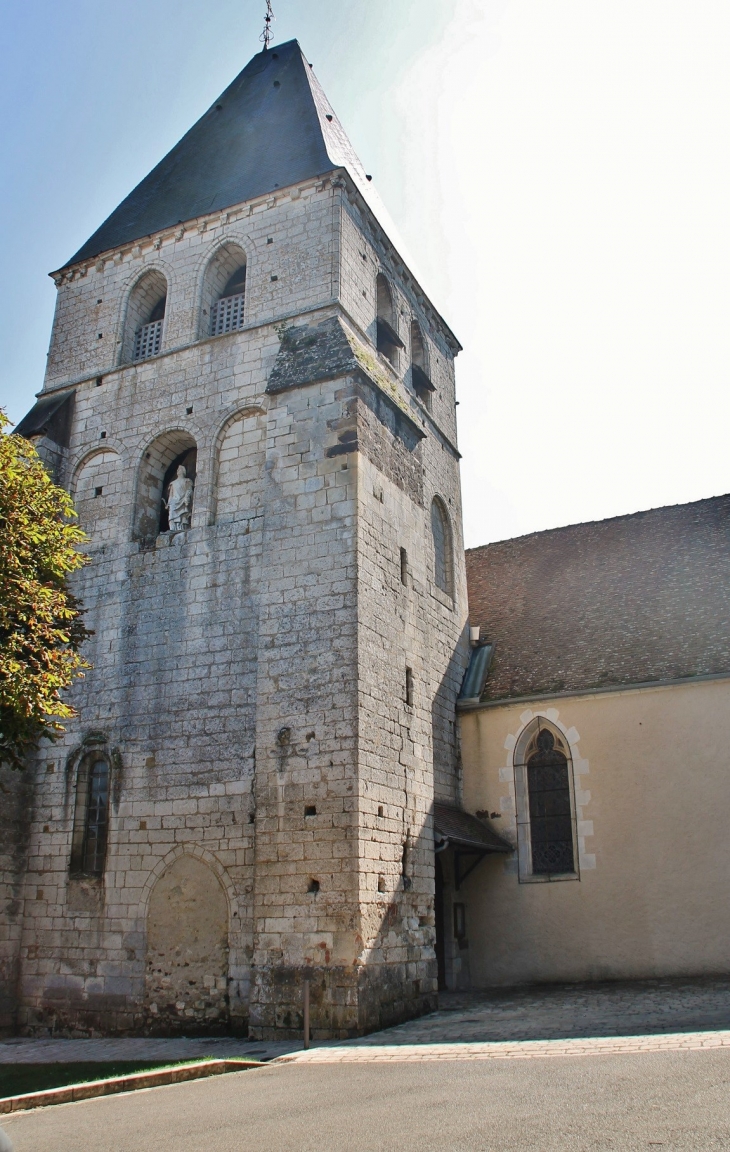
166	486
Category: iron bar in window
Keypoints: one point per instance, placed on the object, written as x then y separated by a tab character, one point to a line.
227	314
147	340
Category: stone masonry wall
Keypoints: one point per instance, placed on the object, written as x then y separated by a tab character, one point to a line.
286	274
407	748
174	652
248	673
15	803
305	886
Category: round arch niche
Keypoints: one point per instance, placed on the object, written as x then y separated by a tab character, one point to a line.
186	977
97	490
443	549
158	468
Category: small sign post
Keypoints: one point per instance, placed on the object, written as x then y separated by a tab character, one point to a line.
306	1012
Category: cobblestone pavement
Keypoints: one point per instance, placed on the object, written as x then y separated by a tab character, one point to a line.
637	1011
553	1012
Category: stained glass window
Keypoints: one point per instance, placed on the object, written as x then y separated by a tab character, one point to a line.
551	822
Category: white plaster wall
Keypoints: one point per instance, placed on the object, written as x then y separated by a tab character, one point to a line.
652	805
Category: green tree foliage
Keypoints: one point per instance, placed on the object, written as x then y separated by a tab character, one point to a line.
41	622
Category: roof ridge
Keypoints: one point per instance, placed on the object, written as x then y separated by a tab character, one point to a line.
593	523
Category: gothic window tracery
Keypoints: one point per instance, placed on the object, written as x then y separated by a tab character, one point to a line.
551	825
545	805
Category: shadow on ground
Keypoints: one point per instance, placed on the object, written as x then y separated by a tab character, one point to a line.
568	1011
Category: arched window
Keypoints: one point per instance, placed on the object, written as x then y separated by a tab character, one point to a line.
420	378
388	341
224	291
545	812
145	317
91	817
156	505
551	824
443	561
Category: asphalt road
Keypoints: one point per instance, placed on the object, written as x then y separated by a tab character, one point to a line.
673	1100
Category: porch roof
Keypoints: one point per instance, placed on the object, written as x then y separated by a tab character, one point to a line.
462	830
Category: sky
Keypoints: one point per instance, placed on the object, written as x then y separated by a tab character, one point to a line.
560	172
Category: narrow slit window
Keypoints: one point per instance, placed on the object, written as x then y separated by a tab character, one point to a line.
91	819
403	566
405	865
409	687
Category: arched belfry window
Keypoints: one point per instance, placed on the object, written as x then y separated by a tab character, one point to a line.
387	338
545	804
443	559
145	317
224	292
420	378
91	817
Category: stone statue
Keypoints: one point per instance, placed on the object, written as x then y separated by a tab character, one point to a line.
179	501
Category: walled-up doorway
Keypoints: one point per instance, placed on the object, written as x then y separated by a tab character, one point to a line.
187	950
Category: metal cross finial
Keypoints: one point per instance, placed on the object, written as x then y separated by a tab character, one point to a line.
267	34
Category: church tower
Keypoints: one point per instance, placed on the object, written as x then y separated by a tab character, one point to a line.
251	400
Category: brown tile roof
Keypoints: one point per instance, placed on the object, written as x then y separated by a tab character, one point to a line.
463	830
622	601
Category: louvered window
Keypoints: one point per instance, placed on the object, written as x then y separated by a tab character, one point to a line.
227	314
147	340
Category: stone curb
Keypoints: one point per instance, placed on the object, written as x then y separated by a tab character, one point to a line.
152	1079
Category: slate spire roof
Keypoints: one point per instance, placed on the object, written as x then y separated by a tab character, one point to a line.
271	128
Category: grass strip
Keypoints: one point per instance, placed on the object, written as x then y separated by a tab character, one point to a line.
18	1079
